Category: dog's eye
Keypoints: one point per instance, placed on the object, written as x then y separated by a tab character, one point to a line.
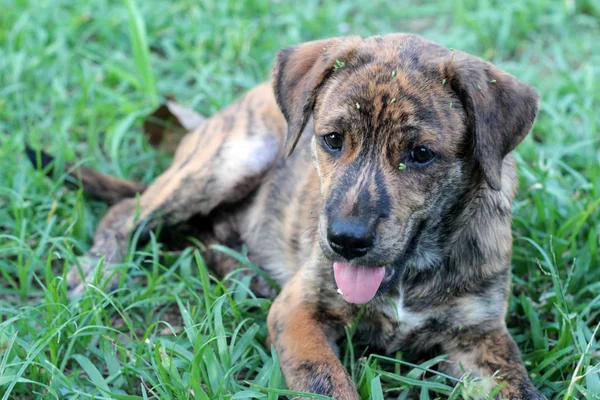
422	155
334	140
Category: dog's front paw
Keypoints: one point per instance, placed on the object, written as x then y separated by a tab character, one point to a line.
85	273
529	394
523	391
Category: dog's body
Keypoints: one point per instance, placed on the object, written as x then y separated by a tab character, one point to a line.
354	220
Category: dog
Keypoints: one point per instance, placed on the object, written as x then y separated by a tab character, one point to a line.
370	176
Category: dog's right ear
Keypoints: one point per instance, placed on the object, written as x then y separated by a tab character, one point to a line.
298	74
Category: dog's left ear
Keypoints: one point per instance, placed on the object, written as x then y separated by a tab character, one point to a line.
298	74
500	110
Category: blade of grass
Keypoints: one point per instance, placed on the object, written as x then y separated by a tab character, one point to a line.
141	52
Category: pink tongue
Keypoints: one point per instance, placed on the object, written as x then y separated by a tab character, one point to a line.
358	284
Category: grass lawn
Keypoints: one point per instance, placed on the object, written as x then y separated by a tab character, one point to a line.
78	77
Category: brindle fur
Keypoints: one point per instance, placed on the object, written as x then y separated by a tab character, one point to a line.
443	229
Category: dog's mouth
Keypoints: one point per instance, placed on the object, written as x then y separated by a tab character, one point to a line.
360	284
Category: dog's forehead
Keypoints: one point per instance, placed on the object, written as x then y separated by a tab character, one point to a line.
408	50
396	62
387	80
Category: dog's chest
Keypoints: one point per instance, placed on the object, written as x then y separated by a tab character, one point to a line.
389	324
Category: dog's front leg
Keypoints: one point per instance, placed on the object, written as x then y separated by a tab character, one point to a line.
492	354
304	345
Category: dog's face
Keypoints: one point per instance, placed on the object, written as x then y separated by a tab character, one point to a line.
404	130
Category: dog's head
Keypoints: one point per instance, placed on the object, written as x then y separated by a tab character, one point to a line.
403	129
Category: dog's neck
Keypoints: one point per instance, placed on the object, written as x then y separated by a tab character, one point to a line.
477	247
481	233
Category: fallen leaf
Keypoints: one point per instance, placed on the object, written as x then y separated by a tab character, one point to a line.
167	125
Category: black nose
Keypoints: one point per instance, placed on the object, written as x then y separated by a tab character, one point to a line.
350	238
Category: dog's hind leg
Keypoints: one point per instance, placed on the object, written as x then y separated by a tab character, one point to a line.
219	163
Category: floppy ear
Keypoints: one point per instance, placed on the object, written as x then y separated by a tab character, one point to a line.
500	110
299	72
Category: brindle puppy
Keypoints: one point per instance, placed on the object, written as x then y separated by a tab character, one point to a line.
395	196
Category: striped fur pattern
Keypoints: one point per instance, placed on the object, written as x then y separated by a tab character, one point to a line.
261	173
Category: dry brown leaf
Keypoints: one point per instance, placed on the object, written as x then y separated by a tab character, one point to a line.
165	127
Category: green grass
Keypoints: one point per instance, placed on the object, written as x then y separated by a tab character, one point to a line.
77	78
